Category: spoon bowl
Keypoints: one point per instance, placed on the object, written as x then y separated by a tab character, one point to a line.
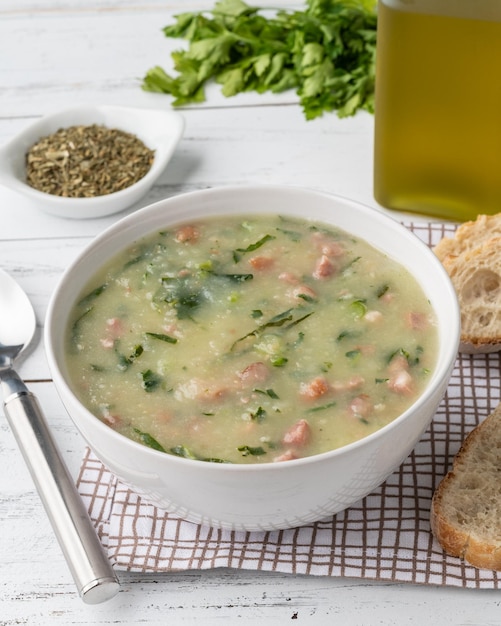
18	321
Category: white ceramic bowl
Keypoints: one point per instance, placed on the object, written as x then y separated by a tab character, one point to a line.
271	495
159	130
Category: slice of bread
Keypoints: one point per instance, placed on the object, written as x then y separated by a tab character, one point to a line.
476	276
466	506
472	259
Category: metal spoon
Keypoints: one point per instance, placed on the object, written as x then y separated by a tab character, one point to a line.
90	567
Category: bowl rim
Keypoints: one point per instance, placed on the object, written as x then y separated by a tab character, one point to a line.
41	127
442	371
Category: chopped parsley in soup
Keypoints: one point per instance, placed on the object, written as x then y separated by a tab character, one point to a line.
250	339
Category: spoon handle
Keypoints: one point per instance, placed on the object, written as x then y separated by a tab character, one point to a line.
95	579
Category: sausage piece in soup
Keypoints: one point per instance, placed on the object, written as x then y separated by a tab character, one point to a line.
250	339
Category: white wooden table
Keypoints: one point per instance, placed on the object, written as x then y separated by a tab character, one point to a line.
55	54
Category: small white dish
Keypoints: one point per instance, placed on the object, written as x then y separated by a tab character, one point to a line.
159	130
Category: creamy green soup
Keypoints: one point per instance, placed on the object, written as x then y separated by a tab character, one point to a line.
250	339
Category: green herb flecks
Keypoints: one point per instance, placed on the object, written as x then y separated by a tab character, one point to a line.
323	407
291	234
306	297
150	381
279	361
349	266
185	294
162	337
188	293
299	340
268	392
239	252
299	320
252	451
75	329
88	298
259	415
412	359
235	278
285	318
382	290
186	453
134	261
326	53
346	334
124	361
353	354
149	441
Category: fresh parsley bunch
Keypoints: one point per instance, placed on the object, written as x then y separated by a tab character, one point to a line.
326	53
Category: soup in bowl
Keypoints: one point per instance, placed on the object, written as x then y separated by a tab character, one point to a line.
253	357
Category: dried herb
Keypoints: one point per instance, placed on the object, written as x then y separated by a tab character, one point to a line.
87	161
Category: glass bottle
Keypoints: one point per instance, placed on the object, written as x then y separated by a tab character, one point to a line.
438	107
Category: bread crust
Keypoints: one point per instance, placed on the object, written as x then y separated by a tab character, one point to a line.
469	235
472	260
466	520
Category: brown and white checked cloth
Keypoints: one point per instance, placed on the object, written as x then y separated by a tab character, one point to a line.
386	536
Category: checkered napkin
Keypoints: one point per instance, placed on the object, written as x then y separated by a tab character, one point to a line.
386	536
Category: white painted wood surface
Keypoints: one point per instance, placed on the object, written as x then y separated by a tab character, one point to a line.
56	53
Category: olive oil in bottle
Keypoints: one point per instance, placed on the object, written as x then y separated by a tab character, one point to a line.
438	107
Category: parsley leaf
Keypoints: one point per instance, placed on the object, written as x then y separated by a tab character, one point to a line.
326	53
